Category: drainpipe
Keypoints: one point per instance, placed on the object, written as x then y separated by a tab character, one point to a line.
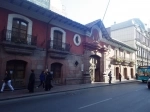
47	38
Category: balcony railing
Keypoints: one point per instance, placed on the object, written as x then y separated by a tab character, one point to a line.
18	37
59	46
124	61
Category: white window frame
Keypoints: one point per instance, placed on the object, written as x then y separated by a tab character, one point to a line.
10	22
63	35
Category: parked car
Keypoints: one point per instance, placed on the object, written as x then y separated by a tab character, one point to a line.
148	83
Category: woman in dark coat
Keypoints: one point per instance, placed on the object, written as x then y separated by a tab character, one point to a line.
31	82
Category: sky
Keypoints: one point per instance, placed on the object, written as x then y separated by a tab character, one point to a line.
85	11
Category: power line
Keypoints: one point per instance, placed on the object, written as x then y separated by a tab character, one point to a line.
106	10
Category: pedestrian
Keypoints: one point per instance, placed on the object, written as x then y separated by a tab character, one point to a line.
31	82
110	77
48	79
120	77
7	80
51	73
42	80
136	75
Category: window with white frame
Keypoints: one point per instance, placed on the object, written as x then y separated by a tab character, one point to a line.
58	38
19	27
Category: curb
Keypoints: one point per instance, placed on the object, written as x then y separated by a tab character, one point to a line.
61	91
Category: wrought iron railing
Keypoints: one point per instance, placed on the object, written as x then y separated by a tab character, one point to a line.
52	44
18	37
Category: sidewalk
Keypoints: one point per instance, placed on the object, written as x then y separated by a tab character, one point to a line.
8	95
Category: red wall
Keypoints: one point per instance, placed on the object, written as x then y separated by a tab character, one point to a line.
39	29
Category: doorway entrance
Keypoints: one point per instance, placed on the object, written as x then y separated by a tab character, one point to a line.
95	60
57	74
17	68
132	73
117	73
125	73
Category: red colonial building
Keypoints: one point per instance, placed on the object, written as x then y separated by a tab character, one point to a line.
32	37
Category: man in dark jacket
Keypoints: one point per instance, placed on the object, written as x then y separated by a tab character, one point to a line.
110	77
31	82
48	79
42	80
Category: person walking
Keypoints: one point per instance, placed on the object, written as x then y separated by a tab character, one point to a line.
31	82
110	77
42	80
7	80
48	79
120	77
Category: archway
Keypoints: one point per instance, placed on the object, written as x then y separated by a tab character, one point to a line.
131	73
57	74
125	73
95	66
17	68
117	72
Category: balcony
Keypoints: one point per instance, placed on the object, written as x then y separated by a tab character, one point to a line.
116	60
58	51
132	63
18	43
125	61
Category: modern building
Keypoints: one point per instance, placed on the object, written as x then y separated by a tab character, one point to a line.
135	34
33	37
53	5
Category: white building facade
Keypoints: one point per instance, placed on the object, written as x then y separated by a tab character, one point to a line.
134	34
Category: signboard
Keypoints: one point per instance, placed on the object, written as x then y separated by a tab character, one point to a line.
42	3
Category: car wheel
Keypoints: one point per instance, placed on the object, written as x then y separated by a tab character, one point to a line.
148	87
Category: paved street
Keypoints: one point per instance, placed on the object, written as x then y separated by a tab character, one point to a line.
130	97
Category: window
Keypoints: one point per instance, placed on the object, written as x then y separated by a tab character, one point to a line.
57	43
116	53
124	55
20	24
58	36
131	55
19	30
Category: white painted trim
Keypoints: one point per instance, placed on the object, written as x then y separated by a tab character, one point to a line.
63	35
77	44
98	29
10	21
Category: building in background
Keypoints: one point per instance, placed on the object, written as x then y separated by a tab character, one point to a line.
32	37
53	5
135	34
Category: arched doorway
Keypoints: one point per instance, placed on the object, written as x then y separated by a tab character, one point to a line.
17	68
125	73
57	75
117	72
131	73
95	63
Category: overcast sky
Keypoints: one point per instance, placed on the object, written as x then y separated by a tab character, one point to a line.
85	11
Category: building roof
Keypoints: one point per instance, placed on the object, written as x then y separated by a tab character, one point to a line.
128	23
42	11
52	15
105	34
